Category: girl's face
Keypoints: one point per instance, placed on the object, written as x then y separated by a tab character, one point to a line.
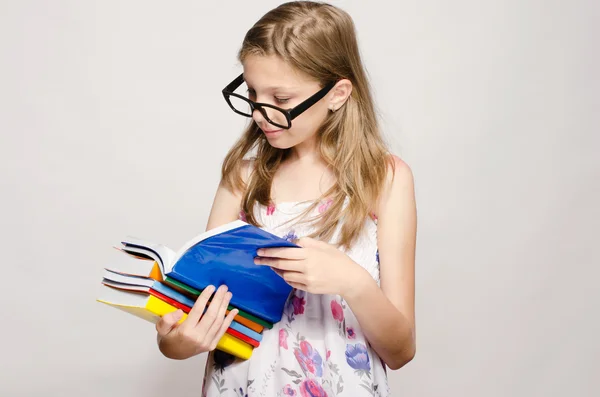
270	80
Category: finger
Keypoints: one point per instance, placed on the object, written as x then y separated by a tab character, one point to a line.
167	322
293	277
282	252
210	315
216	325
224	326
199	306
299	286
281	264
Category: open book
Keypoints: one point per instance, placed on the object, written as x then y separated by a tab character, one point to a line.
224	255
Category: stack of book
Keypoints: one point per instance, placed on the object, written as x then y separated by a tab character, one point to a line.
150	280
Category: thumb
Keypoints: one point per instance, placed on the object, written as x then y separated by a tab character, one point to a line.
168	322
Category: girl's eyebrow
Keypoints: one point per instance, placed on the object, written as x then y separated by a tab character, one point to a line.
273	87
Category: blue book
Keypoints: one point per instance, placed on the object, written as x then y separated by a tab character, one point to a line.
225	255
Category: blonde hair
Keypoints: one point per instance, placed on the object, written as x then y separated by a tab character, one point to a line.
319	40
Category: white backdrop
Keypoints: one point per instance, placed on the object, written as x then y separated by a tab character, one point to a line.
112	123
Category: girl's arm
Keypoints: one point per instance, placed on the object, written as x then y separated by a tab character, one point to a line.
387	315
226	203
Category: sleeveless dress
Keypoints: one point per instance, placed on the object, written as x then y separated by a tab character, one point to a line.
317	349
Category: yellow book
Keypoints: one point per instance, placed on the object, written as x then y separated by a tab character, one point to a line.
151	308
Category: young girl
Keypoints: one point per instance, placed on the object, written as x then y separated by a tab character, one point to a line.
322	177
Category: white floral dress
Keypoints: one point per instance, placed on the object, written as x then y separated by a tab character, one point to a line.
317	349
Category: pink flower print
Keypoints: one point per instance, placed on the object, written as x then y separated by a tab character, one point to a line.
283	338
337	311
270	209
325	206
350	332
328	354
309	359
288	391
298	303
242	216
310	388
374	216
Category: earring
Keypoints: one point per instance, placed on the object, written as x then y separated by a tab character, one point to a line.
331	108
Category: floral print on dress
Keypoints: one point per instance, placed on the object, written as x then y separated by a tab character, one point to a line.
283	334
325	206
309	359
335	379
294	306
298	303
241	392
288	391
311	388
350	333
290	236
357	357
270	209
337	311
242	216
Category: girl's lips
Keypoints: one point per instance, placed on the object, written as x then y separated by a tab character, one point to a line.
272	132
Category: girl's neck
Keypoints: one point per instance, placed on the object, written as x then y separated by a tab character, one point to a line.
305	153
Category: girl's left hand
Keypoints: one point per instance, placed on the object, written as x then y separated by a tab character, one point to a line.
316	267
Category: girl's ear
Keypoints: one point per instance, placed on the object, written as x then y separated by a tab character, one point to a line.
339	94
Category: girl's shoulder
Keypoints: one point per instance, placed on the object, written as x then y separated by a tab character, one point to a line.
399	176
398	170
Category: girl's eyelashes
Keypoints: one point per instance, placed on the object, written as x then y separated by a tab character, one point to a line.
279	100
282	101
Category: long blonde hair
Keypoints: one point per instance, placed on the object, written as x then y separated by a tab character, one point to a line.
319	40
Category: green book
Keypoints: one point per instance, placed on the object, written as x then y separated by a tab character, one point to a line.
194	293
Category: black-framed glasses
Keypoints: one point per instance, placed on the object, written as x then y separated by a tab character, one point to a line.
277	116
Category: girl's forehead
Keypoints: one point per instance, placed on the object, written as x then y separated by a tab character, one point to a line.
269	72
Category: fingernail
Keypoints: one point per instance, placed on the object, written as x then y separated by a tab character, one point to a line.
260	252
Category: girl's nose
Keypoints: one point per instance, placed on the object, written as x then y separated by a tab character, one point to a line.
258	117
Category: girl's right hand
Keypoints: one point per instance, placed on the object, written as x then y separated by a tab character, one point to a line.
198	333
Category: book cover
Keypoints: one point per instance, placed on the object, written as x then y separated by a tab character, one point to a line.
225	255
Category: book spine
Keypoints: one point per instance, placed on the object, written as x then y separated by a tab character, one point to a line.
194	293
169	292
228	343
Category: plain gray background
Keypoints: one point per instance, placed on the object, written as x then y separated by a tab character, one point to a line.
112	123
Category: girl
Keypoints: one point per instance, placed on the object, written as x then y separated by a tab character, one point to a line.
322	177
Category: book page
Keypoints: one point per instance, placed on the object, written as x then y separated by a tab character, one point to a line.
161	254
